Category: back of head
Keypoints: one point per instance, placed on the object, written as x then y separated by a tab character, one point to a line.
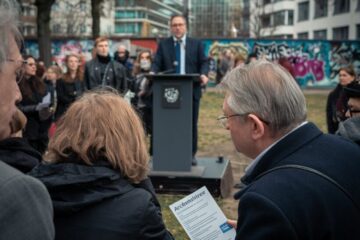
101	125
267	90
9	23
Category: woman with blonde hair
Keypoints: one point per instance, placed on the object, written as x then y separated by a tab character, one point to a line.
96	173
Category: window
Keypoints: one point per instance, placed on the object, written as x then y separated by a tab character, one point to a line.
303	35
56	28
82	28
358	31
321	8
129	14
279	18
265	21
320	34
82	5
341	33
358	6
303	8
290	17
70	29
341	6
124	3
266	2
128	28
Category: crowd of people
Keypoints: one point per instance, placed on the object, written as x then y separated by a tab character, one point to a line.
89	179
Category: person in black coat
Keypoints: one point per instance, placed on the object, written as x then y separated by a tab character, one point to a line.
103	71
96	173
302	184
70	86
181	54
15	150
33	91
336	105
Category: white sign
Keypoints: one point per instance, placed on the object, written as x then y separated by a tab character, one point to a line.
201	217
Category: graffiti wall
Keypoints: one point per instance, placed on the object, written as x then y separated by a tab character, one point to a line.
313	63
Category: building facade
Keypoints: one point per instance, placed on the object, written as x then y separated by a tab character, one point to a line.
216	18
145	18
272	18
305	19
328	19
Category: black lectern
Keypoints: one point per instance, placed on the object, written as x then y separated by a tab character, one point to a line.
171	170
172	121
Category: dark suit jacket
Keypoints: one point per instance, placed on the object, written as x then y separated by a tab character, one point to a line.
295	204
195	59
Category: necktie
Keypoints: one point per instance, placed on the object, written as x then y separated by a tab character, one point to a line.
177	56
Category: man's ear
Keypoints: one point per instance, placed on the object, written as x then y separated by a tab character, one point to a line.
257	127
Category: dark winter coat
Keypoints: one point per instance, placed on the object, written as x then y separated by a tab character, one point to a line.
67	94
96	202
17	153
102	71
296	204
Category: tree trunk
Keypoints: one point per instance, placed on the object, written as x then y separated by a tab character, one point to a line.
43	29
95	13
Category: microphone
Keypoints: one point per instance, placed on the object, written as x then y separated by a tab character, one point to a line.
171	70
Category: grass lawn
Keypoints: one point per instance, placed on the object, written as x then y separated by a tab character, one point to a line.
210	134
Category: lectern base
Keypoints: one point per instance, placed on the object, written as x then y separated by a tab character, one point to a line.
215	175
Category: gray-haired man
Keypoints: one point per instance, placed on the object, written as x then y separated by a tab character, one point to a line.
302	184
26	210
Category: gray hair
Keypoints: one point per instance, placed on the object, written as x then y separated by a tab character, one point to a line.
9	27
268	91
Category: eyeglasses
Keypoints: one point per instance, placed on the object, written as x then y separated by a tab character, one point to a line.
177	25
223	120
20	71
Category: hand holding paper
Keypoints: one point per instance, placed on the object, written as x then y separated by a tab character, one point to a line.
201	217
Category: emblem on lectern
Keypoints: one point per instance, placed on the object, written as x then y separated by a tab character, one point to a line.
171	94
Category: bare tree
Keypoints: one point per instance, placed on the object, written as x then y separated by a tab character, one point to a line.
43	29
74	19
96	14
261	22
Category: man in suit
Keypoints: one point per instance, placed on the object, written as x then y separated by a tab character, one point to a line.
26	210
103	71
183	55
302	184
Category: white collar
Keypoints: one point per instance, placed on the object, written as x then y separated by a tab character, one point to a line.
183	39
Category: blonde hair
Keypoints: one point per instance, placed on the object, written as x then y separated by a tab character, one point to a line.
55	69
102	125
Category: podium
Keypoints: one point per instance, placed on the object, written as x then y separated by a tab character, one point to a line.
172	121
171	169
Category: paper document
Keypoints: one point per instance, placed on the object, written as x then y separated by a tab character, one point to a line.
46	99
201	217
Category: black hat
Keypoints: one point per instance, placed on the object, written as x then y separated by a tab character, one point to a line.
352	90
